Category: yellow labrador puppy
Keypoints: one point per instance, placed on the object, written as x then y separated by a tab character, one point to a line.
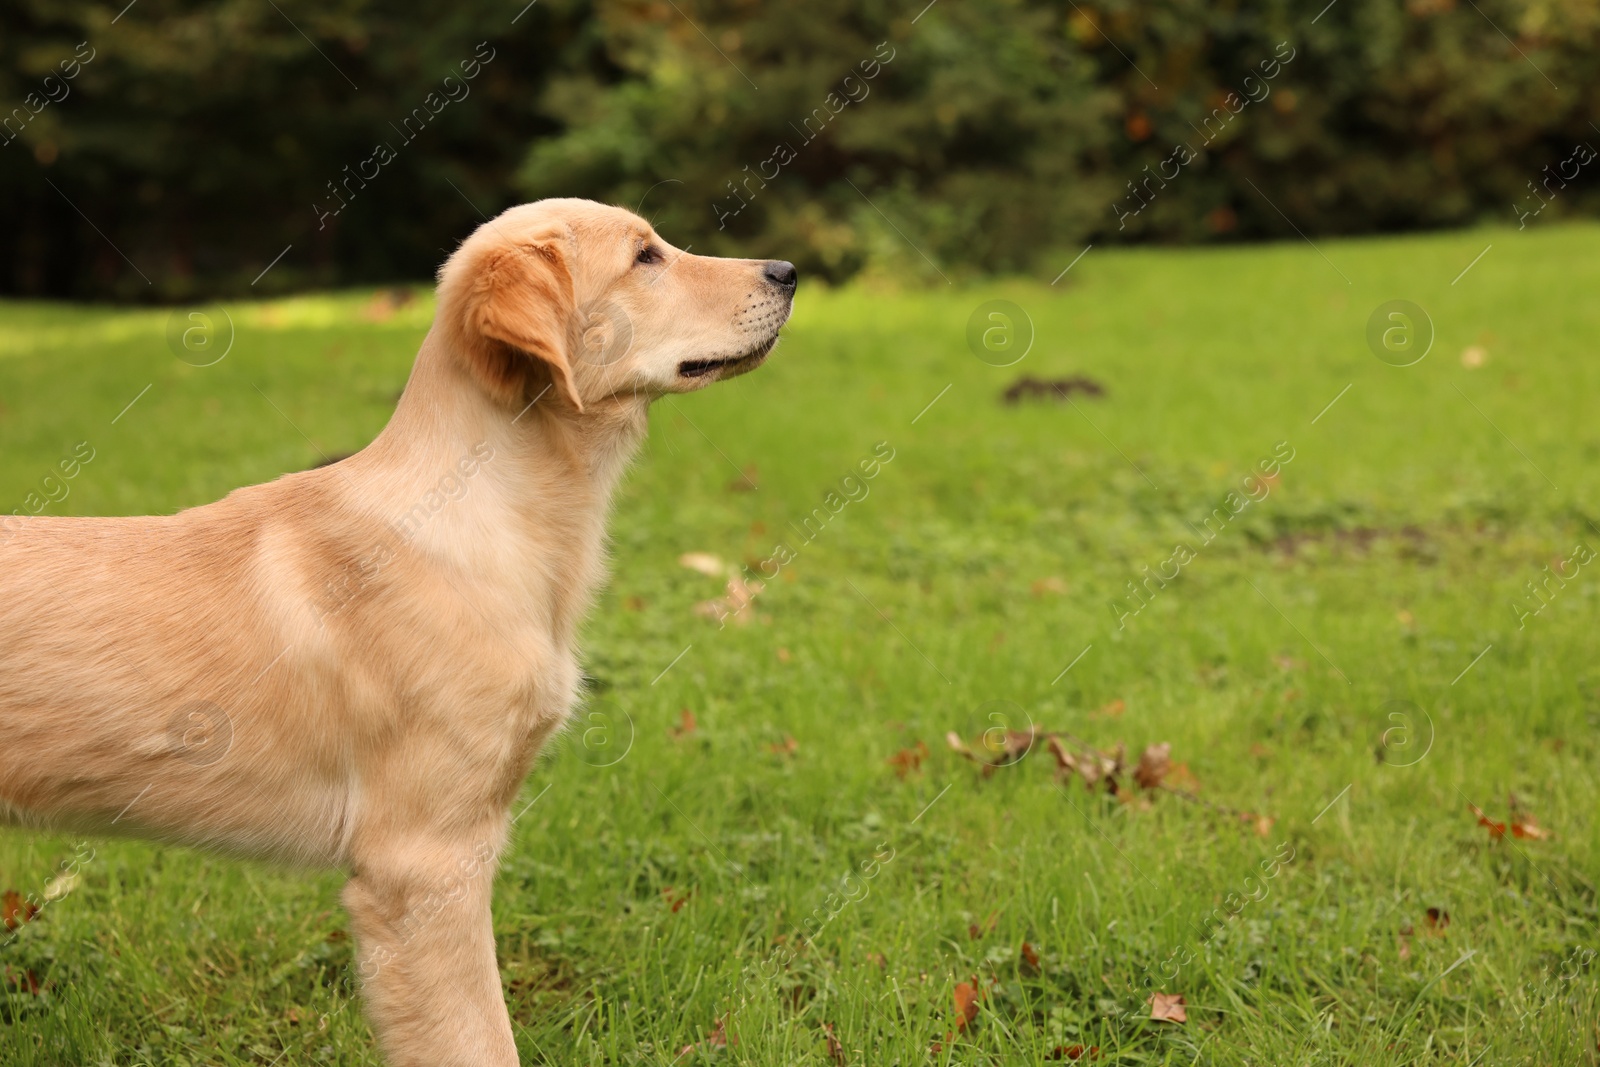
356	665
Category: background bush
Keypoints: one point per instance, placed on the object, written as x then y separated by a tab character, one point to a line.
191	150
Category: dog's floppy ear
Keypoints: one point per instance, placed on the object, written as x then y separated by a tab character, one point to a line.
518	310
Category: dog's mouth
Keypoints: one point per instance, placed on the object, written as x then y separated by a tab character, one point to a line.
699	368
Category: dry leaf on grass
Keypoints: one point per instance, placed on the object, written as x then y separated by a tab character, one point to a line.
1092	766
686	724
1496	829
1438	921
717	1038
1168	1007
835	1050
1155	770
1006	747
1010	746
24	981
1154	763
787	747
1029	956
1261	823
967	997
1181	777
1075	1052
1526	828
14	910
908	760
704	562
1521	823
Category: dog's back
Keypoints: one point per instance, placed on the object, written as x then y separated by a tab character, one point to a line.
122	699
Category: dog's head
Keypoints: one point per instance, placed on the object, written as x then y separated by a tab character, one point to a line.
586	302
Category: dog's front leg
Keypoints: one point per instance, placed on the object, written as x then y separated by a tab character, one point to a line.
425	954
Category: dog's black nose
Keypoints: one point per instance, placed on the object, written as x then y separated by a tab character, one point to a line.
782	274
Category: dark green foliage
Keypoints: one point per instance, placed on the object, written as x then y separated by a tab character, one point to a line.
200	139
970	136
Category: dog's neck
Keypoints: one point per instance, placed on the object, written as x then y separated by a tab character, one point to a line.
527	512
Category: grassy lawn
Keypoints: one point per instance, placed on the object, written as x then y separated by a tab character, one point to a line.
1342	670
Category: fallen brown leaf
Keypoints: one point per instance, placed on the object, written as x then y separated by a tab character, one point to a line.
1437	921
25	981
1182	777
14	910
704	562
1066	762
835	1050
1029	956
908	760
1526	828
1075	1052
1168	1007
1013	746
966	1004
1092	766
1007	747
1154	763
1497	830
686	724
787	747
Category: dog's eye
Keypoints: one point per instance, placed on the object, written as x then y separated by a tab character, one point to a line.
649	254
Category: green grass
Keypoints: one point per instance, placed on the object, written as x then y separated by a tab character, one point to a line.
1382	566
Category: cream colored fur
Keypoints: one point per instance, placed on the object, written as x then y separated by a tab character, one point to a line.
390	639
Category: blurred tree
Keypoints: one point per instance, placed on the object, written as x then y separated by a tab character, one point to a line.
838	132
198	139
